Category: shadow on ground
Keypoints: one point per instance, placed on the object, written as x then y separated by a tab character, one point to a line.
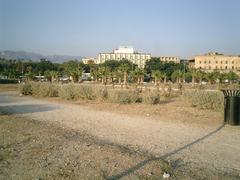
145	162
27	108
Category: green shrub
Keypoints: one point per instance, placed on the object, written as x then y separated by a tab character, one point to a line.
123	96
151	97
26	89
205	99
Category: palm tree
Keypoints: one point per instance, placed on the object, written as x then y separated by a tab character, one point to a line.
210	77
103	73
54	75
157	76
73	69
139	74
94	73
124	68
200	75
194	76
232	76
177	75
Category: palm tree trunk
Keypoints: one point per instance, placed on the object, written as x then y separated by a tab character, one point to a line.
155	81
193	81
119	80
125	79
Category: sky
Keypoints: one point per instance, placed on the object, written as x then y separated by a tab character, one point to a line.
181	28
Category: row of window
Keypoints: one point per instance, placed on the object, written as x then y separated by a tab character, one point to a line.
221	62
124	56
168	58
141	62
216	67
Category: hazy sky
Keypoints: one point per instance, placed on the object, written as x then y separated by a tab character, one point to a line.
86	27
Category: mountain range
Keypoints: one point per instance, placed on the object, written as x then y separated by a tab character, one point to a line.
19	55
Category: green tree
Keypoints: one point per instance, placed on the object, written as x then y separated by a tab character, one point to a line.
51	75
139	74
73	69
124	68
232	76
177	76
157	75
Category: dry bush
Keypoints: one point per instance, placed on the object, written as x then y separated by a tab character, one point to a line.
25	88
69	92
123	96
76	92
87	92
90	92
151	97
101	93
205	99
44	89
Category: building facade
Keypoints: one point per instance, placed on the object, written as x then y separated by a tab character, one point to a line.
89	60
125	53
170	59
216	61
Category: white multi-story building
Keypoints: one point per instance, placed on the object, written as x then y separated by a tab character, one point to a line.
170	59
124	52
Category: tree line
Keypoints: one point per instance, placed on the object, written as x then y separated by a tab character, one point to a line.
113	71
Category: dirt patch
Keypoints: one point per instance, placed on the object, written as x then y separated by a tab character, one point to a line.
172	109
191	140
34	150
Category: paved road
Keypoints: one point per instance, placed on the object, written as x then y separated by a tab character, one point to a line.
214	147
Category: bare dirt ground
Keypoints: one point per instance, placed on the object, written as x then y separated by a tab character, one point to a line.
194	142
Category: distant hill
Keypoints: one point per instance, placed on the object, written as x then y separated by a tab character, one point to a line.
36	57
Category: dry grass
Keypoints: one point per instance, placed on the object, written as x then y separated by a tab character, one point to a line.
205	99
8	87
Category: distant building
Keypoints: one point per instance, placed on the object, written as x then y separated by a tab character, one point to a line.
170	59
125	52
191	63
216	61
89	60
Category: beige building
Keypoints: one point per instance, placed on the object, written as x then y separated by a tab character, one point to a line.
89	60
124	52
170	59
215	61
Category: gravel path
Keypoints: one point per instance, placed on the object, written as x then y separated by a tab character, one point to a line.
214	147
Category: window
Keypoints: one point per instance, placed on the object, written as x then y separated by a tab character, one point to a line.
209	67
226	62
232	67
216	62
225	67
200	62
205	62
216	67
232	62
221	62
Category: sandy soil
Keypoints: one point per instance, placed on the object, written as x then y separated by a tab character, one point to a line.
194	141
